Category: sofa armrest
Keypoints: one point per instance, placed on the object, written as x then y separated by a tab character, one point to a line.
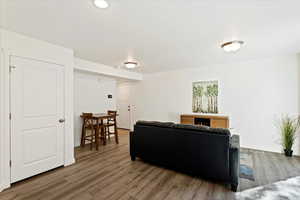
131	146
234	159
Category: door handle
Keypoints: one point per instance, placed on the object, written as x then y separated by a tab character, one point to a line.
61	120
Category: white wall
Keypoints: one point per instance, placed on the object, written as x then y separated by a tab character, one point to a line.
252	93
90	95
23	46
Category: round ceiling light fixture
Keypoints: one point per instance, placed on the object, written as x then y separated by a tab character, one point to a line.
130	65
232	46
101	4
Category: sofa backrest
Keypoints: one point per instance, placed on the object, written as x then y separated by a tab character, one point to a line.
187	148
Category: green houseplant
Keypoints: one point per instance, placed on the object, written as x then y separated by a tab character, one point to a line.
288	129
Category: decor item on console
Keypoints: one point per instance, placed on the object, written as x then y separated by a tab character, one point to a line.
288	129
205	97
211	153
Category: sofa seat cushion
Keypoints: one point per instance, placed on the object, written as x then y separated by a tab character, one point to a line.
222	131
156	124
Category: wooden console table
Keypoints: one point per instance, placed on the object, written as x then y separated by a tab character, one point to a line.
214	121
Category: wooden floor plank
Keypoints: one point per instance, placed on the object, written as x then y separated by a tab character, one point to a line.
110	174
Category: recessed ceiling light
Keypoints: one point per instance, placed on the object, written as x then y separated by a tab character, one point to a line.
130	65
232	46
101	3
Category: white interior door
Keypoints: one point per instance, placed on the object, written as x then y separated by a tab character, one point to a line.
37	116
124	117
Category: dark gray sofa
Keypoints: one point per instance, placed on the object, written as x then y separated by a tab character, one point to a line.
211	153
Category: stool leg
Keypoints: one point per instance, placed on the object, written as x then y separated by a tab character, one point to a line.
82	142
92	139
97	136
116	133
103	132
108	133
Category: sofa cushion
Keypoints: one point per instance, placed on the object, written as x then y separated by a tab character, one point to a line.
222	131
156	124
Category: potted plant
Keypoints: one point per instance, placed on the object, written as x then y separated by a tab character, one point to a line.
288	129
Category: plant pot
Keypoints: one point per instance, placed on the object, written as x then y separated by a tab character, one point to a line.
288	152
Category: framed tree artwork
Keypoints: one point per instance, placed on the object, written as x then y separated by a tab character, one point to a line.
205	97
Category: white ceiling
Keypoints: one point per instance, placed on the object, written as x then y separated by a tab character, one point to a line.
161	34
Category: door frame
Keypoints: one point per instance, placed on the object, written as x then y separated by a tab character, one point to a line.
34	54
15	171
129	102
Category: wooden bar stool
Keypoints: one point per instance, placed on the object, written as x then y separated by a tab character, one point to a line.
88	124
112	122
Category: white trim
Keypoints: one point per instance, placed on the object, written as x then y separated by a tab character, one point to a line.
15	44
5	136
1	108
69	113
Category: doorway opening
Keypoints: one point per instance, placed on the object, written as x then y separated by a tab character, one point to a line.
125	107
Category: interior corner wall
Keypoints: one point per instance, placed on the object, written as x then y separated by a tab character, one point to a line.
298	62
91	95
2	184
254	94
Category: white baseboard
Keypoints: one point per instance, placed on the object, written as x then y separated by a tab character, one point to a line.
4	186
69	162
